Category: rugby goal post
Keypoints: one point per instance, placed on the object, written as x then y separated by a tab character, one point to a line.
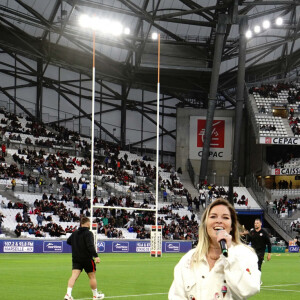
156	231
95	233
156	241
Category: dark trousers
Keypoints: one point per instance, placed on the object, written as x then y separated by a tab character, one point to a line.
260	256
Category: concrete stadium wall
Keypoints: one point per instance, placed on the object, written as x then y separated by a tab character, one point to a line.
221	167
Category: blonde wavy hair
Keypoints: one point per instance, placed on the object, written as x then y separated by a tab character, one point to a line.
204	239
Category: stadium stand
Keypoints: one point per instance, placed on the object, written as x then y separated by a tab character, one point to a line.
121	175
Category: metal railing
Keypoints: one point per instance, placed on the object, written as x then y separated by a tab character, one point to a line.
260	194
191	172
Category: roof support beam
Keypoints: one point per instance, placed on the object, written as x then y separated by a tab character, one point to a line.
151	138
51	18
271	2
16	102
208	15
84	113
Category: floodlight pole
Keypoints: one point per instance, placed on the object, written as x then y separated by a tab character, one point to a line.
157	141
92	133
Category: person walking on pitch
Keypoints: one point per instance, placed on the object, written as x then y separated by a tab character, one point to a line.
259	239
83	254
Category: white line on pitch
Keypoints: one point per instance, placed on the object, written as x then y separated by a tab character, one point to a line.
280	285
279	290
126	296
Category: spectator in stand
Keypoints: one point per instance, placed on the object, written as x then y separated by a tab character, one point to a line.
18	217
165	195
1	220
18	230
40	219
3	148
13	184
83	189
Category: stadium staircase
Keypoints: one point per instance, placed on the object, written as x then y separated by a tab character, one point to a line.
288	221
188	184
8	194
8	233
287	127
280	226
28	172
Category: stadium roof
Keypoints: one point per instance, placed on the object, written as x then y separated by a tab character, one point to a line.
49	30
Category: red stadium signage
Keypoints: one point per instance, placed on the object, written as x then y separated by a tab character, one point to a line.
220	145
218	133
285	171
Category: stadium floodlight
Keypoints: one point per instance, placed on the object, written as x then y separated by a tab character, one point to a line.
154	36
248	34
85	21
266	24
104	26
279	21
95	23
126	31
257	29
116	28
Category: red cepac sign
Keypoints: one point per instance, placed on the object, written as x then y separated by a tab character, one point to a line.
268	140
217	136
277	171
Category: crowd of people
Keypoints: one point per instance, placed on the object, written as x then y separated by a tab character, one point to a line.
272	91
283	184
51	228
279	158
208	192
113	169
295	226
110	221
285	204
267	127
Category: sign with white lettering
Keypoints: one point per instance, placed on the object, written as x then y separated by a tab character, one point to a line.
53	247
120	247
142	247
16	246
172	247
293	249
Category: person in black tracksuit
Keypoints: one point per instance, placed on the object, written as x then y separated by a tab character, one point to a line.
259	239
83	254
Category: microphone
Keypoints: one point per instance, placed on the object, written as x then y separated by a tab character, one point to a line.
223	246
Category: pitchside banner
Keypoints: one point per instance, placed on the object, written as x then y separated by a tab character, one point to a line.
279	140
294	249
220	146
107	246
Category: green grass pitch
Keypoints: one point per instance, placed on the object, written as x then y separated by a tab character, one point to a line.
125	276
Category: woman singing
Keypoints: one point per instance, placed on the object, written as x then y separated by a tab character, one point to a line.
204	273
